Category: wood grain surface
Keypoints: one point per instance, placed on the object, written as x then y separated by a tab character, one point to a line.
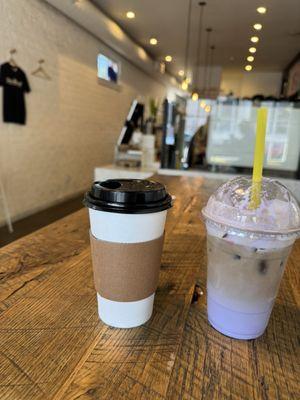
53	345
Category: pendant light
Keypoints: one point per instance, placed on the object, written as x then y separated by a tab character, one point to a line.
195	95
208	30
185	84
212	49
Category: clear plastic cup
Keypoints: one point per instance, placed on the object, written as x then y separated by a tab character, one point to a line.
247	251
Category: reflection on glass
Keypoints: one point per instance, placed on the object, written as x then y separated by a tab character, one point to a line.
232	134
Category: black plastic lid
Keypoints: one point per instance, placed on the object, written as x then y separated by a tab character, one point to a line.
129	196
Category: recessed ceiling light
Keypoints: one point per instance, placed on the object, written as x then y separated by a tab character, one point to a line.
250	58
252	50
153	41
168	58
181	72
248	67
130	14
257	27
195	96
261	10
254	39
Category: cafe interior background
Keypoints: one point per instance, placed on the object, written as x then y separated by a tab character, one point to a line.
131	88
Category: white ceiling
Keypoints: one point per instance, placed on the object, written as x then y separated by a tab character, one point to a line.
231	21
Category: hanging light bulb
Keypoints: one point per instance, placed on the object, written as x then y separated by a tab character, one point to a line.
195	96
210	71
184	85
202	104
206	62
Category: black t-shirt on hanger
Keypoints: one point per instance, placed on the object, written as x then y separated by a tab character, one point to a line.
15	84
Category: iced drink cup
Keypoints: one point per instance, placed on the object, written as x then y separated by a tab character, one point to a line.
127	220
247	251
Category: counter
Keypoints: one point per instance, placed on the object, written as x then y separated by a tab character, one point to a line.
54	347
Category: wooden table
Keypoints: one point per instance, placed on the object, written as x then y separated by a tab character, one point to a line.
54	347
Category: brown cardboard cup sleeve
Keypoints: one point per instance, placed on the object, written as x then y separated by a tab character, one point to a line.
126	271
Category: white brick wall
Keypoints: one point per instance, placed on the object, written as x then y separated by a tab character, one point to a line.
73	122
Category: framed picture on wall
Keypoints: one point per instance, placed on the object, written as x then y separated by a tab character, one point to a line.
108	70
291	78
294	79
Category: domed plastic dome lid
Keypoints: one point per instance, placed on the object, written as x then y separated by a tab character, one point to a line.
277	214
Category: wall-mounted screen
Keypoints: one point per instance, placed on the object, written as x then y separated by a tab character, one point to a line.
107	69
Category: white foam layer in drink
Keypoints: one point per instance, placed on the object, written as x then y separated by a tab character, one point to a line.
125	314
127	228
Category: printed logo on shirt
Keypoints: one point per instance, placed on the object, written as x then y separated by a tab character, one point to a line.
13	82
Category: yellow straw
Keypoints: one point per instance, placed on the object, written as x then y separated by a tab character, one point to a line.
259	153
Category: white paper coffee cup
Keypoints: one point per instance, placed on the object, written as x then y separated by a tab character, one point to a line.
140	228
132	230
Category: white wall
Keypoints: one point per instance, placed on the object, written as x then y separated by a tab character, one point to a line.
73	122
247	84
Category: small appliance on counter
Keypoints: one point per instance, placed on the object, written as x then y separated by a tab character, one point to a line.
127	154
